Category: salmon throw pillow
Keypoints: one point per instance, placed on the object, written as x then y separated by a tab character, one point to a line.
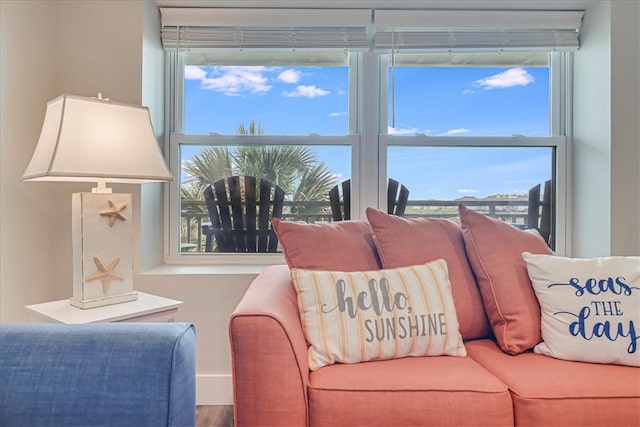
590	307
494	249
412	241
344	245
350	317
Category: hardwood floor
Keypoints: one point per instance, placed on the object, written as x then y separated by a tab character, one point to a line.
214	416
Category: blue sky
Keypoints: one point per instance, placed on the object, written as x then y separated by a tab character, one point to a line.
431	101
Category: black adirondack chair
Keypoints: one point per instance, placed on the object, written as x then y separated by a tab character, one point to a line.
240	210
539	212
397	196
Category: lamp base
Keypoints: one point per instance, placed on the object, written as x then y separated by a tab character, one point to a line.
102	231
100	302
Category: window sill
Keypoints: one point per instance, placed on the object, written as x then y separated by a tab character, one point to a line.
223	270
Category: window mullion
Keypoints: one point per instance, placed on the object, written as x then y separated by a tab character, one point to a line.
383	119
561	112
369	100
556	98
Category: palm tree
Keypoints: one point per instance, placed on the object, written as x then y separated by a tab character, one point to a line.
208	166
254	129
190	212
297	170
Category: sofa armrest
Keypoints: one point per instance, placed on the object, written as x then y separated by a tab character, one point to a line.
107	374
269	354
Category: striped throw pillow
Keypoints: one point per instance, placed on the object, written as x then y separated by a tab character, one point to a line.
351	317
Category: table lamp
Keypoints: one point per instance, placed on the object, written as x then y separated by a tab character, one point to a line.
98	140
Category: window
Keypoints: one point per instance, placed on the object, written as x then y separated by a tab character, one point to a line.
282	117
266	101
473	129
307	107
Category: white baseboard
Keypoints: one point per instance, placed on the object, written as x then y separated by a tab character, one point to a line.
214	390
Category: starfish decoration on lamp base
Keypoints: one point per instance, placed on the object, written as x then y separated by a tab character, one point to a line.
105	273
114	212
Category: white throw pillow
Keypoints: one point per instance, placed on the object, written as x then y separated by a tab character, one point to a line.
590	307
351	317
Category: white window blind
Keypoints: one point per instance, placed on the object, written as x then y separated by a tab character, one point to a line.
360	29
265	28
458	30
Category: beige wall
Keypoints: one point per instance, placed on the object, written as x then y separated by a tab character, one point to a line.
32	253
606	133
51	47
625	128
54	47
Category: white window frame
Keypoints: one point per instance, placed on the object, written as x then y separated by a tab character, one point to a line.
560	82
369	143
176	138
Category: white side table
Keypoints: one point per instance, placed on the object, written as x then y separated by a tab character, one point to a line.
147	308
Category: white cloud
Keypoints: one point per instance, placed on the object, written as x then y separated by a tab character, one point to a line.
338	114
457	131
511	77
231	80
193	72
467	191
290	76
303	91
468	92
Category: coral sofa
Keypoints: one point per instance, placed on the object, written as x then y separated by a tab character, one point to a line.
500	381
98	374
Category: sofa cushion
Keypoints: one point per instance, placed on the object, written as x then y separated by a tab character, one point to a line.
495	252
412	391
590	307
411	241
351	317
343	246
553	392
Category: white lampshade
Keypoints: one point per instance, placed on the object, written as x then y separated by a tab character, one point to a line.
91	140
